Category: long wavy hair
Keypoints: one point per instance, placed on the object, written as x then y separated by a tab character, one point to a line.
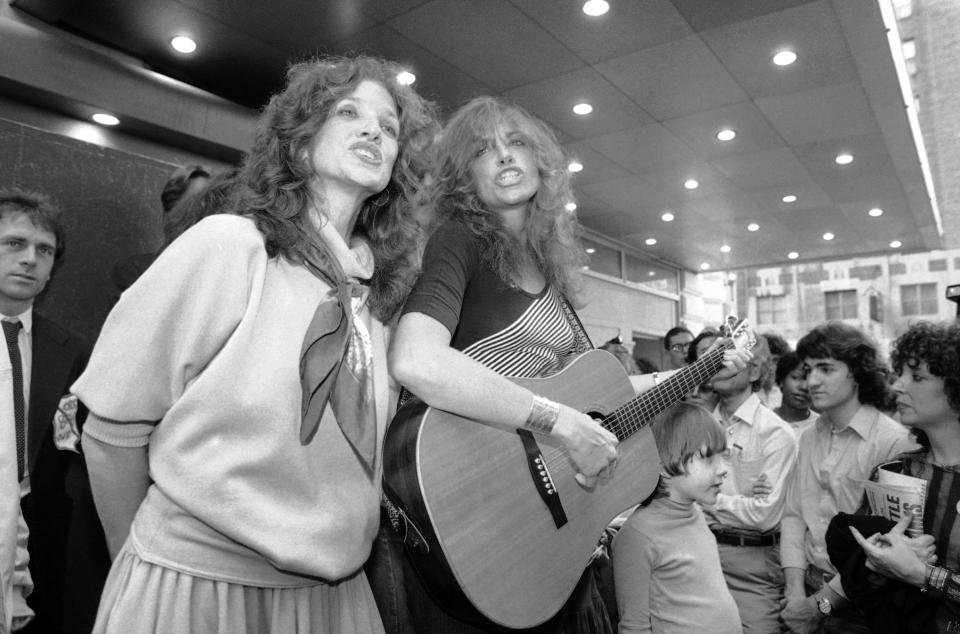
274	183
550	230
837	340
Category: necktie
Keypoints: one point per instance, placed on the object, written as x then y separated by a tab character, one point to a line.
11	330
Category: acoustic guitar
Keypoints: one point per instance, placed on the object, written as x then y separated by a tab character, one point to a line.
496	526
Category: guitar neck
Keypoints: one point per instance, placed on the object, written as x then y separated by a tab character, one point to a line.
636	414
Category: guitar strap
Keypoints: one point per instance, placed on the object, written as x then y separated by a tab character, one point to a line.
583	339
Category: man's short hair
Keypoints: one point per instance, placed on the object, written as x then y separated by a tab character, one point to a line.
673	332
39	208
836	340
178	183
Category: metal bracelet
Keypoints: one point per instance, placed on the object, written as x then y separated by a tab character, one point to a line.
543	415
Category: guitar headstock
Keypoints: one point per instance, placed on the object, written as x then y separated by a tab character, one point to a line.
743	335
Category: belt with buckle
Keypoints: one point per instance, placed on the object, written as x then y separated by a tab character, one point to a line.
740	538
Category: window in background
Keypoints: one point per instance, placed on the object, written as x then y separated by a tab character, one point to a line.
841	304
918	299
650	274
602	259
771	309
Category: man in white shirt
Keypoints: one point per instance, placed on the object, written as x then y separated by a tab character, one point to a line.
747	527
847	383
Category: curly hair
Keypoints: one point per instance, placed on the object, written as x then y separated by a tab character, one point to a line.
274	184
43	213
939	346
550	229
836	340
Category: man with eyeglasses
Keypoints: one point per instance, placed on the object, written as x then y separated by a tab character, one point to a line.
676	342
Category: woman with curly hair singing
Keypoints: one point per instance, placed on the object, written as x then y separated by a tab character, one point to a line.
250	361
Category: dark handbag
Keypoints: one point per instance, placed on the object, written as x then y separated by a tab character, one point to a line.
890	606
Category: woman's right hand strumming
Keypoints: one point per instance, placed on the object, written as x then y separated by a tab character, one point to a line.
592	448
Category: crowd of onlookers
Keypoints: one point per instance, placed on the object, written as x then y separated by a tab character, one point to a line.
749	526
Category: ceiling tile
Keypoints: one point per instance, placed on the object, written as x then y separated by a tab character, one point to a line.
705	15
436	79
699	131
644	149
830	112
490	40
627	27
597	168
674	79
554	98
812	30
763	170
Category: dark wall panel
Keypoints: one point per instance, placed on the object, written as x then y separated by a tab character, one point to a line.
111	209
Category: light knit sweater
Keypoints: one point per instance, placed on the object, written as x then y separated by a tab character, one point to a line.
208	343
667	573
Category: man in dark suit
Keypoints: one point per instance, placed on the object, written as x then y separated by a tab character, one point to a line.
68	559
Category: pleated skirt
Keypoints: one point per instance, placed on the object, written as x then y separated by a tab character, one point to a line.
141	597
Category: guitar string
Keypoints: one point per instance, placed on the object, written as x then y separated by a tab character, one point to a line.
646	406
629	418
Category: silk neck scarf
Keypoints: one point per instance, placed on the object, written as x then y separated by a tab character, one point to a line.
336	358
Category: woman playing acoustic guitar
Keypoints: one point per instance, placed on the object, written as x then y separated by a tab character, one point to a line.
492	302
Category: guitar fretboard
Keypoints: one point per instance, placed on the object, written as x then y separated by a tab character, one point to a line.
636	414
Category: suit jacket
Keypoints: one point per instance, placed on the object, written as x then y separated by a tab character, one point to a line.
68	556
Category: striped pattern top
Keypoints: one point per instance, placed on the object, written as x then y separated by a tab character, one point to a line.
512	331
533	345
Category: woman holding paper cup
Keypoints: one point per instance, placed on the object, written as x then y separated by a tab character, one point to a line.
901	584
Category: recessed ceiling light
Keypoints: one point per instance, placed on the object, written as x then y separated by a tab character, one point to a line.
876	212
105	119
753	227
828	236
784	57
650	273
725	248
583	108
183	44
789	198
726	134
570	206
844	159
667	217
793	255
704	266
591	250
650	241
406	78
691	184
575	167
896	244
593	8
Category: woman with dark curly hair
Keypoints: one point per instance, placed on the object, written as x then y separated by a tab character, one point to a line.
847	383
917	593
492	302
250	361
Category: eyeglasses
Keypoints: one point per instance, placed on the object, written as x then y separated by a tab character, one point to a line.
679	347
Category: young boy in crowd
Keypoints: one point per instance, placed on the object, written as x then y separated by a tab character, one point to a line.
666	567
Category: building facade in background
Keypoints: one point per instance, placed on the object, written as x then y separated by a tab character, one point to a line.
885	293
